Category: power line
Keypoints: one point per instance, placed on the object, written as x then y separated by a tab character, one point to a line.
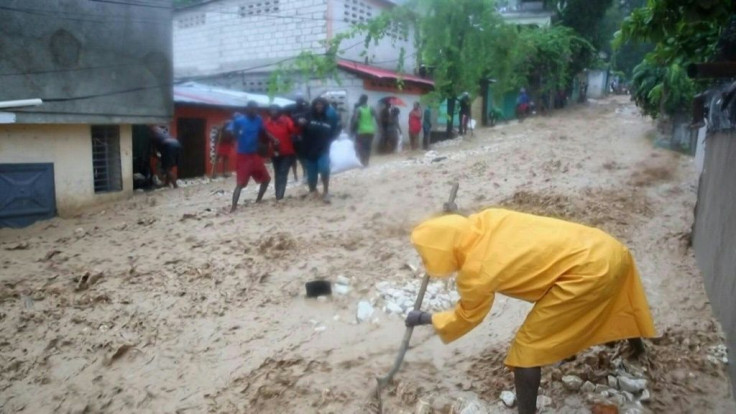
73	16
90	113
133	3
42	72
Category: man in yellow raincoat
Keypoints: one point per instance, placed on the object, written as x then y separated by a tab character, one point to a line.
584	284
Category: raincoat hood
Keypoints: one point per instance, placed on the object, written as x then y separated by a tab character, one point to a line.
441	242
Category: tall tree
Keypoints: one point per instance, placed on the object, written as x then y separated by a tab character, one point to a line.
683	32
455	37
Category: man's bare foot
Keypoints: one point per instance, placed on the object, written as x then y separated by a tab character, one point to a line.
232	209
327	199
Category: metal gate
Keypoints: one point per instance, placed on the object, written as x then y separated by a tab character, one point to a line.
27	193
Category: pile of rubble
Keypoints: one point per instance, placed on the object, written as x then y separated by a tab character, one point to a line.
394	298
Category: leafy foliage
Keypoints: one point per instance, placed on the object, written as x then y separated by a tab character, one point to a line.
661	89
549	53
684	32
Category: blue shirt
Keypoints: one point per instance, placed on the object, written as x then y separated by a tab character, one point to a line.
248	131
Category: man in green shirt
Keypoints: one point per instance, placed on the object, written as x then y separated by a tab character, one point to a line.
364	119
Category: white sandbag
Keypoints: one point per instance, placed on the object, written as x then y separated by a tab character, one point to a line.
342	155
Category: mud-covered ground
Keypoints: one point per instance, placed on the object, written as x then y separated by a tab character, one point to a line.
167	304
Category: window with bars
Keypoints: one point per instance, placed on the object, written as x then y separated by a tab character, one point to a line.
191	21
106	158
357	11
256	8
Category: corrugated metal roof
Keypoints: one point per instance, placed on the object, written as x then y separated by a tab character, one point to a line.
194	93
379	73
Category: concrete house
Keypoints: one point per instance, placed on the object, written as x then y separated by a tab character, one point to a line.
98	68
236	44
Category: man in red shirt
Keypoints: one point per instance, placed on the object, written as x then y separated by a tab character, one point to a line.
282	129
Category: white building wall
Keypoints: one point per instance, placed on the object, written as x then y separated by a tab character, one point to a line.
597	84
221	36
69	148
230	35
384	54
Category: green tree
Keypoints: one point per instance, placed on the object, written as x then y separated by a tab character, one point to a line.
683	32
457	39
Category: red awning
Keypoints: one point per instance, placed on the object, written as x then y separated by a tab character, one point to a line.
379	73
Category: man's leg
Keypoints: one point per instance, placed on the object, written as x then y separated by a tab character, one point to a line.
637	347
236	197
281	168
360	148
312	174
277	167
324	171
262	190
171	178
527	382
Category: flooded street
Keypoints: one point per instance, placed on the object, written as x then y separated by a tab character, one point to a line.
165	303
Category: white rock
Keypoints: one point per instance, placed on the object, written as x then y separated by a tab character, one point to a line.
628	396
394	308
508	398
342	280
619	400
645	396
365	311
631	385
612	382
320	329
543	401
423	407
588	387
383	286
572	382
599	388
79	232
473	407
341	289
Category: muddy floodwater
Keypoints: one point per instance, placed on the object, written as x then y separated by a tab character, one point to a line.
165	303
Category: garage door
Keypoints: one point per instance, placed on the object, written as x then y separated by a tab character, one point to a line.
27	194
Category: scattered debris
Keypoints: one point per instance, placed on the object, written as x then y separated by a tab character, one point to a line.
119	353
631	385
79	232
508	398
601	408
572	382
400	299
543	402
50	254
19	246
423	407
469	406
587	387
365	311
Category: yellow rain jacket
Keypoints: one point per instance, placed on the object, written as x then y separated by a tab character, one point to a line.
584	283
